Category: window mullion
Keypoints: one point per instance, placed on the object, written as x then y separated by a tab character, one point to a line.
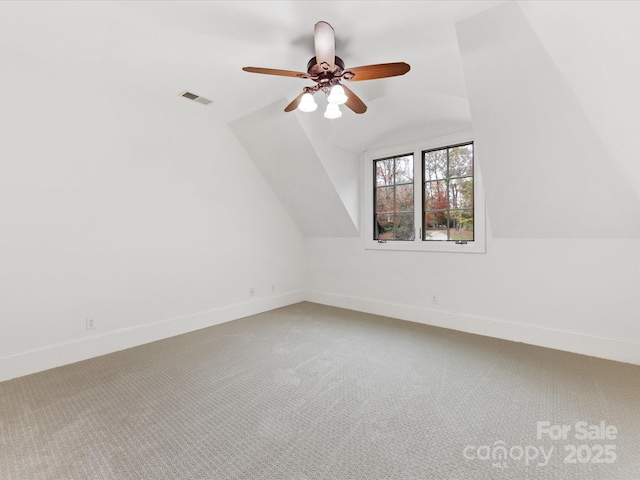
395	206
448	197
418	196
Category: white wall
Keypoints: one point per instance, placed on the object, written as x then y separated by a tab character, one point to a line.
341	165
290	163
562	263
144	214
574	296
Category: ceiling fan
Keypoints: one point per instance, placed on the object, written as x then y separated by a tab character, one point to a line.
328	71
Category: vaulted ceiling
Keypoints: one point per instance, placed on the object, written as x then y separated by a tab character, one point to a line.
164	48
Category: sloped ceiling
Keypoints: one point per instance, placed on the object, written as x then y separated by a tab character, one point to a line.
547	173
595	48
294	171
165	47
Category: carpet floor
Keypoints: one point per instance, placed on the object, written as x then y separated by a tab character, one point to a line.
315	392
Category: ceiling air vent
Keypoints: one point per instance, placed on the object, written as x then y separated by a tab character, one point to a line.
196	98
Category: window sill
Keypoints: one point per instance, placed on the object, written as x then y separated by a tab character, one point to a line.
425	246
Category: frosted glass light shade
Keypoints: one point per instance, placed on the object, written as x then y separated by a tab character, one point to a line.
333	111
307	104
337	95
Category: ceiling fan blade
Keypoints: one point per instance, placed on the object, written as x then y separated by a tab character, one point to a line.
273	71
294	104
354	102
381	70
325	44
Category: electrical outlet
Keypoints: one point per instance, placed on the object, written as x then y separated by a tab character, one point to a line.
91	324
434	299
273	288
252	292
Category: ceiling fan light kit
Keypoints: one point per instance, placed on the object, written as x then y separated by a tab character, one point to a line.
328	71
337	95
333	111
307	104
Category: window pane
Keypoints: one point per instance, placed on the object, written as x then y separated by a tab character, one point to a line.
461	222
394	227
384	227
435	165
436	220
404	169
435	195
404	198
384	172
461	193
461	161
404	227
435	226
384	199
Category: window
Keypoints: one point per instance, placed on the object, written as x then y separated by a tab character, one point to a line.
426	196
448	194
394	203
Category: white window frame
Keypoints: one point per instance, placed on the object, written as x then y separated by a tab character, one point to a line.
417	244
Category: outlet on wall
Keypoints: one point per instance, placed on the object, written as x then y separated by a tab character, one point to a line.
91	324
434	299
252	292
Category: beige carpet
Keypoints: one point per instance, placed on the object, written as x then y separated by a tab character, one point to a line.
313	392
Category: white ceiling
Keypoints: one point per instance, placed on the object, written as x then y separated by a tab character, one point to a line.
164	48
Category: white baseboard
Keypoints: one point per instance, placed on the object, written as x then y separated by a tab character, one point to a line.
595	346
50	356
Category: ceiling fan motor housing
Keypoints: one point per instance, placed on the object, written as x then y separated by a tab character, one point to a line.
322	72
